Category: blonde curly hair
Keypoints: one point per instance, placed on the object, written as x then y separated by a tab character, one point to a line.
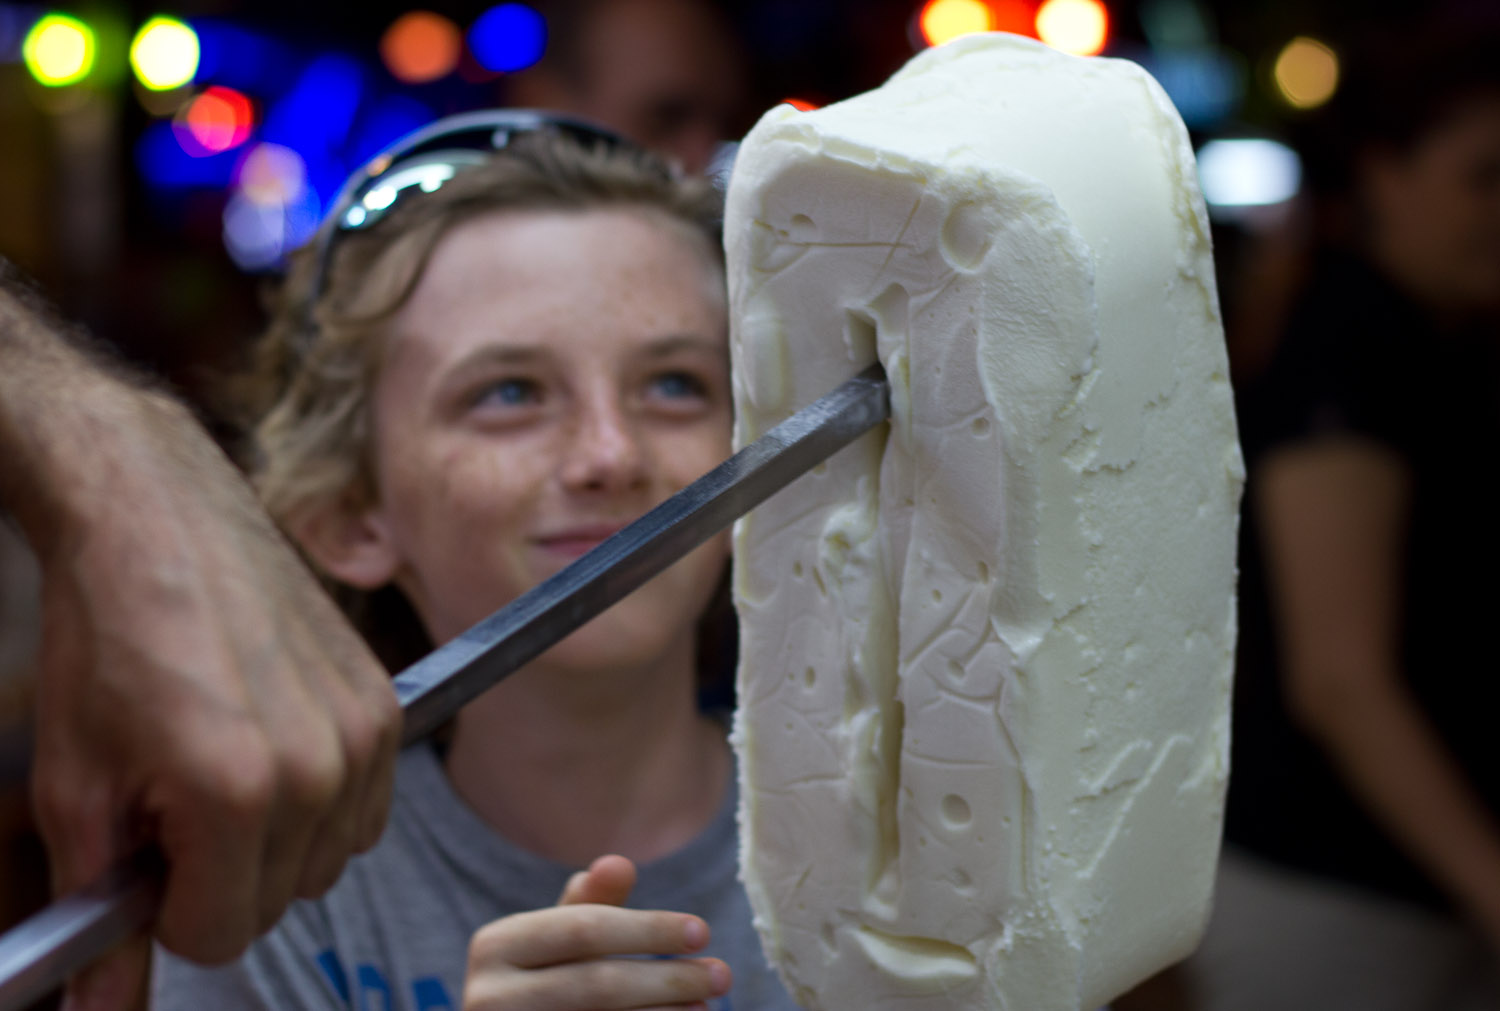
303	404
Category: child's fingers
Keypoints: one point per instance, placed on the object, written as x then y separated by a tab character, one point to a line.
575	933
607	882
605	985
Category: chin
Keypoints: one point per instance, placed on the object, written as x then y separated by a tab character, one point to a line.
622	639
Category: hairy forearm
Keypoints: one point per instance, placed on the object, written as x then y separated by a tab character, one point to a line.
1396	763
64	414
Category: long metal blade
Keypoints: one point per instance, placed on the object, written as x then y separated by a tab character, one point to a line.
40	953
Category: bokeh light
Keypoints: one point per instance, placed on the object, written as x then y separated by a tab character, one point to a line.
1080	27
384	122
258	236
273	208
1306	73
1247	172
216	121
508	38
800	104
1176	24
164	54
240	57
1015	16
271	174
316	117
165	164
421	46
59	50
945	20
12	29
1206	83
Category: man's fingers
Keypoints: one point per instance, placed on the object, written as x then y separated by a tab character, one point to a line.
214	839
357	696
608	881
311	827
562	934
603	985
368	733
117	982
377	770
78	823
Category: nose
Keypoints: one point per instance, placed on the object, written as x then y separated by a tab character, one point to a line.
605	453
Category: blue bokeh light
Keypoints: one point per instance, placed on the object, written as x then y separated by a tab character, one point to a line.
392	118
238	57
508	38
1206	84
314	119
318	110
12	29
164	163
258	236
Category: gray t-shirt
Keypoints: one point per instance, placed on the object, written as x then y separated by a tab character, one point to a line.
393	934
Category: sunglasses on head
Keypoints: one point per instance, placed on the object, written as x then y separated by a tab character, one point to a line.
423	161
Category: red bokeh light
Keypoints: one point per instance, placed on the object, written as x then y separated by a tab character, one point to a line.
215	121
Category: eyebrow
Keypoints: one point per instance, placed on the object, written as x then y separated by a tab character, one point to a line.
666	346
527	354
499	354
453	378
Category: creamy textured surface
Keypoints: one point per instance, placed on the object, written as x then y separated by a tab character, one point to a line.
985	660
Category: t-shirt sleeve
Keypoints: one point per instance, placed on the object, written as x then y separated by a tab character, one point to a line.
1343	364
289	969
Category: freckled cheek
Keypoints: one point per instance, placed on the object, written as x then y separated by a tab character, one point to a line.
478	505
493	491
689	457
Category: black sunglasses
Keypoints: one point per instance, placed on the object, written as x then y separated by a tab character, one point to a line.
423	161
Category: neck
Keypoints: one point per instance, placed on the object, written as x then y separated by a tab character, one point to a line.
572	764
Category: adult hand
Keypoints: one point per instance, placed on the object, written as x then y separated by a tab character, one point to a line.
198	690
568	958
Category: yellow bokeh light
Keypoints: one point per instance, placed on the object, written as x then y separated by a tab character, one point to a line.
1306	73
164	54
945	20
59	50
1080	27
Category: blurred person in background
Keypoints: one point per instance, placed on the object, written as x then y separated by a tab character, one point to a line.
1363	860
668	74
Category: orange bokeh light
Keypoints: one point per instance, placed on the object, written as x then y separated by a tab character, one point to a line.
1015	16
1080	27
945	20
421	46
219	119
800	104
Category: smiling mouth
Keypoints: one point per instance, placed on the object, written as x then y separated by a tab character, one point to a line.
573	543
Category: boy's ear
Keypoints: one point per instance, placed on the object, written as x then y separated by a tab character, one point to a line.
350	543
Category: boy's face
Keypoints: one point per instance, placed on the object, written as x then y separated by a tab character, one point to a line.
553	376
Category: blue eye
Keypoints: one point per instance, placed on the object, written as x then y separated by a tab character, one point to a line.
509	393
677	385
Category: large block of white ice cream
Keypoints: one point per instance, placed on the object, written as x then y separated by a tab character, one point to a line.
985	663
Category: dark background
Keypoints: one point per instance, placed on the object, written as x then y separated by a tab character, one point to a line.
145	267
